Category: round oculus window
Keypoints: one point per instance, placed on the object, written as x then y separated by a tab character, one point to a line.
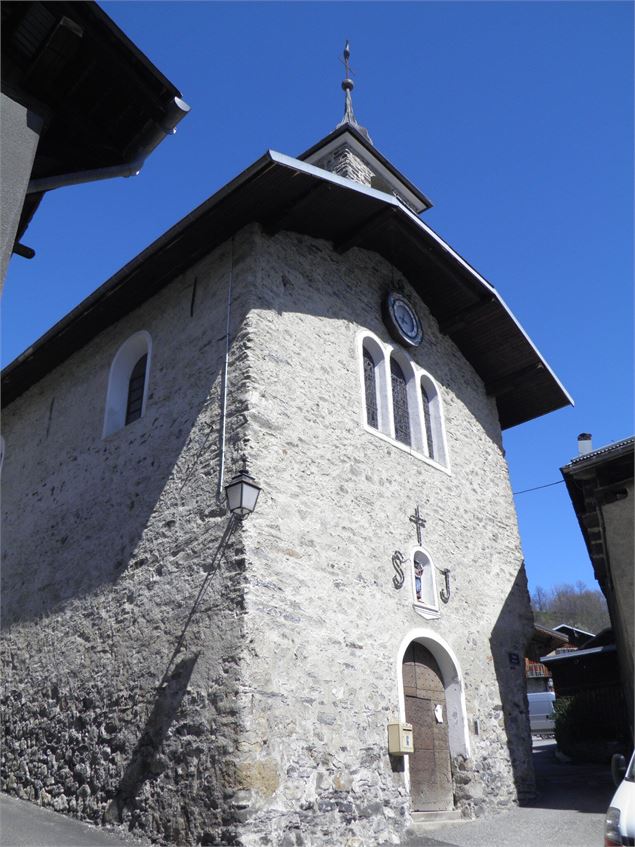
402	320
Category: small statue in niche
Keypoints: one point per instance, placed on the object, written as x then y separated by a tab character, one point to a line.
418	574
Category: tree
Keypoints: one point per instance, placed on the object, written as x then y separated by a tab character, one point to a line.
575	605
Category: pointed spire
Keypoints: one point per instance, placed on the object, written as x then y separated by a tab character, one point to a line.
347	86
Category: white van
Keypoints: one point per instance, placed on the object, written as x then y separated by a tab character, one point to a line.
541	713
619	827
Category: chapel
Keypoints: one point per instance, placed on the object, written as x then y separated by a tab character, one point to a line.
346	660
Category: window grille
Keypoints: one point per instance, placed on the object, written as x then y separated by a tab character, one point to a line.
427	420
135	390
370	387
400	403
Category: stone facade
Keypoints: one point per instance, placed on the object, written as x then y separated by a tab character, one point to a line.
324	622
269	724
343	161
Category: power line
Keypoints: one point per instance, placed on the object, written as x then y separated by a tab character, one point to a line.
538	487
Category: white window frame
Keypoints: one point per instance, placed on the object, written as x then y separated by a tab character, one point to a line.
431	610
437	420
124	360
381	352
378	354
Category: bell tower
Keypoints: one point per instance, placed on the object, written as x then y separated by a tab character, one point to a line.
349	152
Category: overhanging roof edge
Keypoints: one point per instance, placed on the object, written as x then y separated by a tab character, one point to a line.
289	161
492	291
106	288
271	158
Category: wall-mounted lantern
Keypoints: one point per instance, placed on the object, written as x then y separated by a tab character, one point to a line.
242	492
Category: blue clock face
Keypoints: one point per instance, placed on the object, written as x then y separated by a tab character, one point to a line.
402	320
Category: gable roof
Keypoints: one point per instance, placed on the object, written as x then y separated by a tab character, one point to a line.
281	192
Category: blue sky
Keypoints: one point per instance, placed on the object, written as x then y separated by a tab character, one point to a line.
514	118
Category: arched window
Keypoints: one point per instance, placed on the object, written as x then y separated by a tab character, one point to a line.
401	412
401	402
128	383
433	420
374	364
370	390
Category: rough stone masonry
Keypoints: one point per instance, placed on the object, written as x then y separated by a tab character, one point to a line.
269	725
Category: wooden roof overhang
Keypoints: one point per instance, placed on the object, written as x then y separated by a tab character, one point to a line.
283	193
594	480
544	641
101	99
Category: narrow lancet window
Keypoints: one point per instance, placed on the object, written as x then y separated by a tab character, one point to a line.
370	387
135	390
128	382
427	421
400	403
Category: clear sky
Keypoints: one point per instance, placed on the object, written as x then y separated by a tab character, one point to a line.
514	118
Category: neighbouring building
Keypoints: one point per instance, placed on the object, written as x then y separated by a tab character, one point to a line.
80	102
307	317
575	636
543	642
600	484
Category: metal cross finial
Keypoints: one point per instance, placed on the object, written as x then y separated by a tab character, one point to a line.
348	85
419	522
347	57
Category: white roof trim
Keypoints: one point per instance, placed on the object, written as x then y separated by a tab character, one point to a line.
575	628
572	654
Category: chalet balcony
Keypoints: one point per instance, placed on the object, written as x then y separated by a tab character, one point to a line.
536	669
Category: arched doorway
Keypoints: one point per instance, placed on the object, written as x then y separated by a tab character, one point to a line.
426	710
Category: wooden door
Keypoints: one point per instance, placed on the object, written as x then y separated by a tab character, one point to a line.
430	774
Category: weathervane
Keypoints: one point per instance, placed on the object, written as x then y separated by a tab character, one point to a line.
348	85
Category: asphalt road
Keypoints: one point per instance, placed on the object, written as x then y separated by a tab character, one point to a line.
568	812
24	824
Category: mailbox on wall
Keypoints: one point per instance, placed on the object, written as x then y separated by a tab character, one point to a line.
400	741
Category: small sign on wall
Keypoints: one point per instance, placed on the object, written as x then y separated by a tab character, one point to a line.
514	660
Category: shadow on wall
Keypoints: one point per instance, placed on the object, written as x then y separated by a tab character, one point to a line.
146	761
508	643
86	526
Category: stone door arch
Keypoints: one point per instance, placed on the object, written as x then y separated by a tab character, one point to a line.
426	710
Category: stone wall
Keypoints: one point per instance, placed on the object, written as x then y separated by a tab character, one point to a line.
324	622
343	161
106	544
268	726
